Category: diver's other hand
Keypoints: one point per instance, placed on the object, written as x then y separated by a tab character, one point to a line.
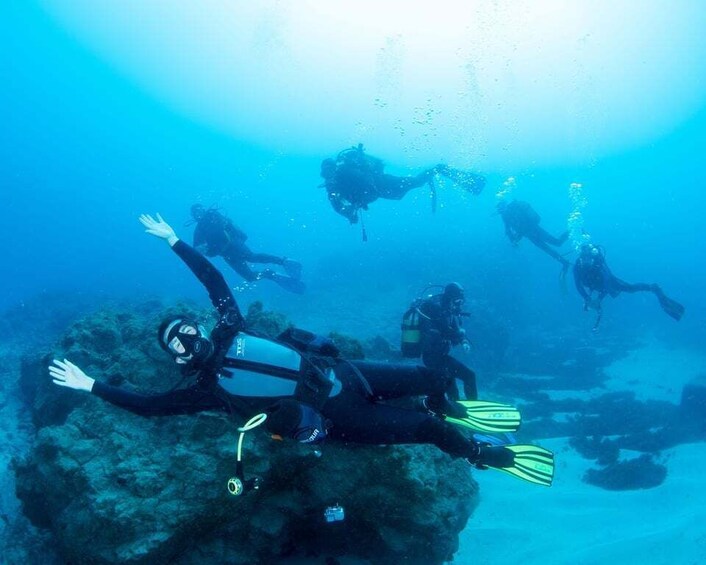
466	345
159	228
586	305
65	373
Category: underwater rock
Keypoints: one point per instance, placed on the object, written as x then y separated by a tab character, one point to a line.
264	321
692	408
349	347
379	348
640	473
603	450
113	487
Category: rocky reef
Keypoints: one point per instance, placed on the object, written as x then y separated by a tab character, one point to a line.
110	487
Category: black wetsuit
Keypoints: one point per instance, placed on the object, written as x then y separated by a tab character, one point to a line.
359	180
521	220
352	408
217	235
441	329
591	274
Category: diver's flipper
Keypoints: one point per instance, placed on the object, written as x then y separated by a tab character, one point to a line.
527	462
671	307
465	179
288	283
293	268
489	417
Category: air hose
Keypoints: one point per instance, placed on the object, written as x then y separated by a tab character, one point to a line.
237	484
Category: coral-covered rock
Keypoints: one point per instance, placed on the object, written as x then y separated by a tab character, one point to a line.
112	487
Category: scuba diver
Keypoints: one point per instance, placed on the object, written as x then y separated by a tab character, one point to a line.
591	274
216	234
521	220
439	328
354	179
305	389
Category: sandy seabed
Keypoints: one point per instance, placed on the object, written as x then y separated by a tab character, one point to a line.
574	522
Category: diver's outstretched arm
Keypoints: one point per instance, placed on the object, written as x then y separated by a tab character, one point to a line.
179	401
218	291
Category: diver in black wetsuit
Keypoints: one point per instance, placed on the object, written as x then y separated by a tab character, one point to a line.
591	274
306	390
354	179
441	329
521	220
215	234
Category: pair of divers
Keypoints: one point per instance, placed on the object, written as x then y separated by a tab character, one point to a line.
299	387
592	277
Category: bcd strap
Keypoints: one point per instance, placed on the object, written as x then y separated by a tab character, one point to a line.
316	381
309	342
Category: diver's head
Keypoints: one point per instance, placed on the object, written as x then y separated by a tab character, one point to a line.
453	295
185	340
588	250
328	168
197	211
501	206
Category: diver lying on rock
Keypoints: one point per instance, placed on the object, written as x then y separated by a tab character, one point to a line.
306	390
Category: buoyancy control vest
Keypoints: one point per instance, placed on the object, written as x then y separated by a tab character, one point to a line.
259	367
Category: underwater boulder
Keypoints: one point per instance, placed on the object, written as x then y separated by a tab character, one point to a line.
113	487
693	400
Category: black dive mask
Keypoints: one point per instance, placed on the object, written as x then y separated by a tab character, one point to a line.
186	341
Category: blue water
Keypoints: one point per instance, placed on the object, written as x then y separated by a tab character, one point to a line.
85	149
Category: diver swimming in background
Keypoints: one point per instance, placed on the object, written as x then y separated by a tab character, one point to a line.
438	325
521	220
307	391
215	234
354	179
591	274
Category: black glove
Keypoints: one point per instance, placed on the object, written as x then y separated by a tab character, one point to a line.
294	420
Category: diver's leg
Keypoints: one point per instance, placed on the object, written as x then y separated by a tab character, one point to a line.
435	357
464	179
292	268
457	370
395	188
545	236
265	258
392	380
396	380
548	250
358	420
620	285
241	267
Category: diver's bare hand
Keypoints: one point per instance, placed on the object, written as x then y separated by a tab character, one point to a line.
159	228
65	373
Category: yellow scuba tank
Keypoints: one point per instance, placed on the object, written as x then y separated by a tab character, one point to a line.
411	344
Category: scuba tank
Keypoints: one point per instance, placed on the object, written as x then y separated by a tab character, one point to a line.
411	344
411	341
